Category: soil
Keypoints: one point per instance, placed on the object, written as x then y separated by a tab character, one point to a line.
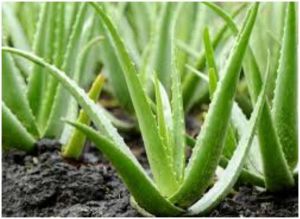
44	184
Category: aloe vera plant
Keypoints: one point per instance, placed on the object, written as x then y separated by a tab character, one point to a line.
278	168
176	188
34	101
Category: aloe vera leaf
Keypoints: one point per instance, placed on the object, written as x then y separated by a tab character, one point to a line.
27	14
36	83
178	130
17	35
139	19
229	177
14	134
96	113
59	95
246	175
75	145
162	56
163	114
83	57
209	145
113	71
190	83
185	31
240	123
230	141
212	69
14	94
156	152
285	99
52	52
275	167
145	193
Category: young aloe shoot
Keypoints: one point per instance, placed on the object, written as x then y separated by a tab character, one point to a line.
75	145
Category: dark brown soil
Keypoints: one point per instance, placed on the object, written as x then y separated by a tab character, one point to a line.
44	184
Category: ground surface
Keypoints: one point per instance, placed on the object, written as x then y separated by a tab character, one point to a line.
44	184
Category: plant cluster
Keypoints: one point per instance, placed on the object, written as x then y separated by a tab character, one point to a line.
157	75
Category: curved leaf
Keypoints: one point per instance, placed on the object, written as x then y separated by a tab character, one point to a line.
228	178
13	92
14	134
144	192
156	152
209	145
285	98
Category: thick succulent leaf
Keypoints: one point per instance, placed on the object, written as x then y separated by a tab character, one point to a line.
285	98
191	82
139	18
144	192
178	130
254	161
209	145
37	80
113	70
245	176
230	141
59	95
240	123
14	134
229	177
16	34
28	15
13	91
50	45
75	145
156	152
163	114
162	57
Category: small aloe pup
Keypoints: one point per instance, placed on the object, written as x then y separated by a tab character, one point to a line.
176	189
74	147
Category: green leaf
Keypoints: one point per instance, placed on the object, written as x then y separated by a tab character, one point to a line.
208	149
229	177
75	145
212	69
58	95
163	114
190	83
14	134
285	99
14	94
178	130
37	80
113	70
51	49
144	192
16	34
156	152
162	57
